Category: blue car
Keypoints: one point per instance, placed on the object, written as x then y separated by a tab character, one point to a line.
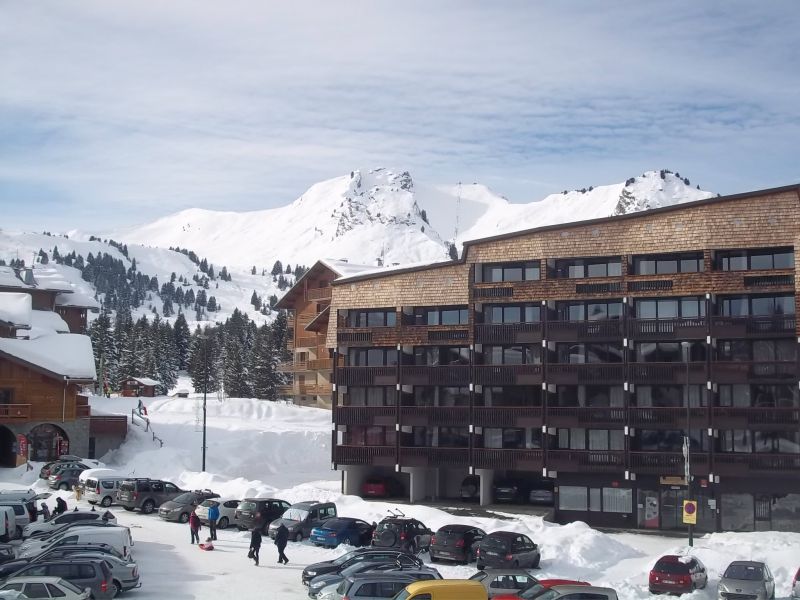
342	530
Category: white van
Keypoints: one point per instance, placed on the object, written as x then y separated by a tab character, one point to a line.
8	524
118	538
100	486
21	516
18	494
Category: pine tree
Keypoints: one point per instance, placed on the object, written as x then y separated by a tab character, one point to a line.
182	340
202	362
277	269
263	366
235	372
253	270
211	306
255	300
105	355
453	252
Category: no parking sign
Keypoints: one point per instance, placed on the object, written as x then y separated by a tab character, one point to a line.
690	512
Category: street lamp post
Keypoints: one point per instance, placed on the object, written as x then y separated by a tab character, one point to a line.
687	440
205	396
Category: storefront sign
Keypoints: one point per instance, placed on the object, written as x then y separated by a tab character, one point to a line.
690	512
671	480
22	445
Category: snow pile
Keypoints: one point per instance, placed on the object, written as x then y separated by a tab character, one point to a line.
15	308
45	322
9	279
69	355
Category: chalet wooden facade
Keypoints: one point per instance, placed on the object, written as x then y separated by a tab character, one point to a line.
139	387
577	357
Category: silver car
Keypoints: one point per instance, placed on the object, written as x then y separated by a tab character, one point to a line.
381	585
746	580
505	581
124	573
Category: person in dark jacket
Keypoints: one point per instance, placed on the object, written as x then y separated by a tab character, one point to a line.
61	507
45	512
281	539
194	527
255	545
213	517
33	514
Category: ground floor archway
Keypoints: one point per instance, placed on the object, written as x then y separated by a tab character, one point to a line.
8	448
48	442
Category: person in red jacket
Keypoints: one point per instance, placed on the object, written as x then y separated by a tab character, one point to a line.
194	527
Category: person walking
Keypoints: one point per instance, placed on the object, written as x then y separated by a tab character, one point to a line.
194	527
45	512
255	545
281	539
213	517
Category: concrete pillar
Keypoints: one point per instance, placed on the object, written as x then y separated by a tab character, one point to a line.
354	476
487	481
418	487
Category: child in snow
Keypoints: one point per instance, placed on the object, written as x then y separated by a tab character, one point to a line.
194	527
208	545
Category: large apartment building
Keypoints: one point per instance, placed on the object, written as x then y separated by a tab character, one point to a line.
578	356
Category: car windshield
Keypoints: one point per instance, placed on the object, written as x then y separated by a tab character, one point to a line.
533	591
186	498
479	576
494	543
295	514
207	503
673	567
247	505
336	524
344	558
744	573
357	568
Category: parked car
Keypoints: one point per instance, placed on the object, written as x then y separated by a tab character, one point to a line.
258	513
399	532
443	589
456	542
342	530
796	585
511	490
471	488
227	511
332	580
8	524
21	515
46	536
68	460
542	495
65	479
381	487
504	581
380	585
537	589
83	573
146	494
746	578
302	517
358	555
100	486
15	564
113	535
507	549
181	506
124	573
578	592
46	587
39	528
677	575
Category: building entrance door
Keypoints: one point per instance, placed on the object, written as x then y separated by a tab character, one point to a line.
762	506
647	502
672	508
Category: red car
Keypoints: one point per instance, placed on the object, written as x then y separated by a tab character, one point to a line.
381	487
677	575
796	585
538	589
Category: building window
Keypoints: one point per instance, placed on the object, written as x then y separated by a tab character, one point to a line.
6	395
756	306
597	310
512	395
497	273
755	259
572	497
661	264
438	315
512	355
590	395
578	438
426	395
371	357
359	435
670	352
651	440
433	356
453	437
617	500
510	438
381	317
780	350
512	313
669	396
370	396
579	268
570	353
688	307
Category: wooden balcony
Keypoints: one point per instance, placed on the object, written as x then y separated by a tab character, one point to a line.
586	461
598	416
291	366
668	329
381	456
670	372
366	376
452	375
508	416
306	341
318	293
510	333
434	457
577	374
435	334
365	415
323	364
315	389
731	417
756	465
753	327
508	374
577	331
368	336
14	412
435	415
668	463
667	417
754	372
286	390
514	460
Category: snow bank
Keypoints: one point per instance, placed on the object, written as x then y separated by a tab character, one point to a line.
15	308
66	354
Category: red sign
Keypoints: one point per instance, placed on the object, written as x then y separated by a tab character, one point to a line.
63	446
22	445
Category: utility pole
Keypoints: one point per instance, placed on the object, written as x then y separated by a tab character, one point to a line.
687	440
205	397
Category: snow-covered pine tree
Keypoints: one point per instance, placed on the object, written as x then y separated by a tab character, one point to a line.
202	362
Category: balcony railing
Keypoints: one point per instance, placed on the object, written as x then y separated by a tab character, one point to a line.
366	336
15	412
365	455
434	457
509	333
306	341
747	372
515	460
452	375
285	390
744	465
667	329
508	374
590	461
290	366
572	331
322	364
435	415
366	415
365	376
668	463
579	416
729	417
668	417
670	372
737	327
516	416
319	293
315	389
575	374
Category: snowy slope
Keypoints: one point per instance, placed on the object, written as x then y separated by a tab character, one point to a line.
384	214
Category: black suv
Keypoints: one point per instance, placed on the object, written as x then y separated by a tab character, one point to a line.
146	494
258	513
409	535
373	555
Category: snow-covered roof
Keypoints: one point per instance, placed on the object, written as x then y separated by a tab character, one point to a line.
45	322
15	308
64	355
344	268
145	380
49	278
394	269
77	300
8	278
340	268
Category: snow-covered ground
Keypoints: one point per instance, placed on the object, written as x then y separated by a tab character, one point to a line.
261	448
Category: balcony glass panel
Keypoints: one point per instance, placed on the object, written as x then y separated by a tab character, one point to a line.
567	353
658	264
669	396
369	396
512	313
688	307
757	259
653	440
589	395
512	355
746	441
512	395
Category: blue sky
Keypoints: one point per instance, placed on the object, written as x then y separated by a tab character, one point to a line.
115	113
